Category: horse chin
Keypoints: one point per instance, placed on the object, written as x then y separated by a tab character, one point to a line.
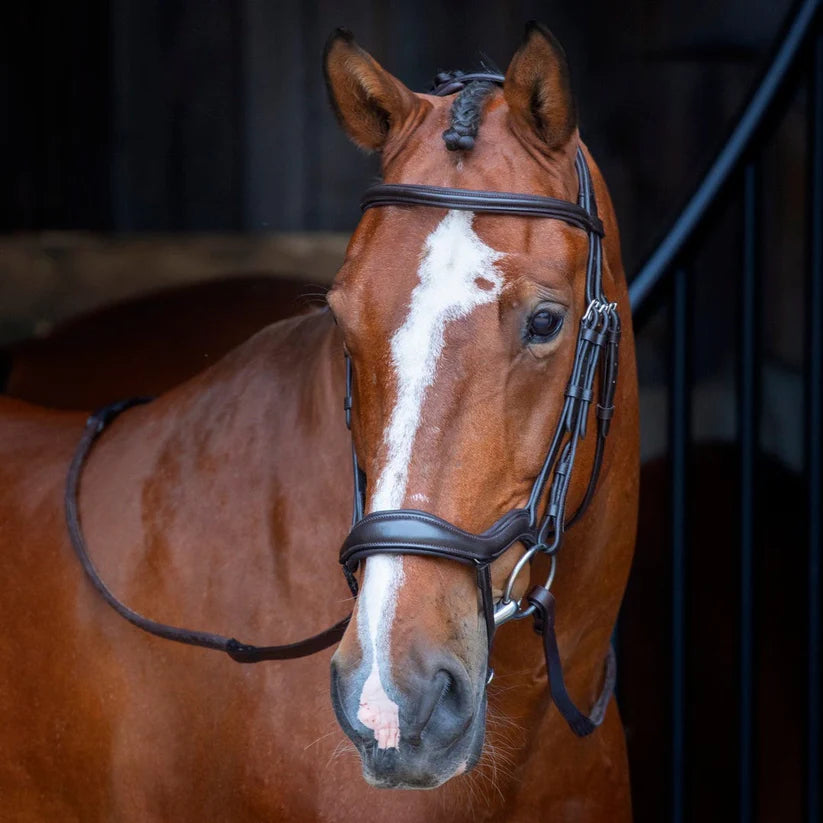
404	768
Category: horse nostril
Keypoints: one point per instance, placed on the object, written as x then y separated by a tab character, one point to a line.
445	709
431	696
449	687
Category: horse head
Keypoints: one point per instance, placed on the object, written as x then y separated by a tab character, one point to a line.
461	329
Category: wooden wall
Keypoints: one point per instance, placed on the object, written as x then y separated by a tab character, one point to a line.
211	115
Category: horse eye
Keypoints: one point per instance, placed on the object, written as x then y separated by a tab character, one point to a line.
543	326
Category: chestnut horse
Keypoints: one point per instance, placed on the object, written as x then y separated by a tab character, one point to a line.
222	504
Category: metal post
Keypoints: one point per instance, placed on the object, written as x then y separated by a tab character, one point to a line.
748	404
814	422
679	425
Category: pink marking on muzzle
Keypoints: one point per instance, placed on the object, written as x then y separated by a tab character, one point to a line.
379	712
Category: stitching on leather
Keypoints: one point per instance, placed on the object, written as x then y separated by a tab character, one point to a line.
435	549
408	514
501	202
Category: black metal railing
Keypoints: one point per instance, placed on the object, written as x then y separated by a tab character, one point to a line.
667	279
814	418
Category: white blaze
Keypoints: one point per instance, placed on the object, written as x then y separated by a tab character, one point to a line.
454	259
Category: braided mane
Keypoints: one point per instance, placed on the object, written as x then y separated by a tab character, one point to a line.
466	111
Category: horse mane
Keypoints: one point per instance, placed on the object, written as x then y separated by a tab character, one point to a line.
466	110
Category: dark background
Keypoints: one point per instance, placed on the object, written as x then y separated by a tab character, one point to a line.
131	124
204	115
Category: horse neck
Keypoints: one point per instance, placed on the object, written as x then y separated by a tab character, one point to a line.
199	505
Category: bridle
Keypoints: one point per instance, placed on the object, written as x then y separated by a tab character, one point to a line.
409	531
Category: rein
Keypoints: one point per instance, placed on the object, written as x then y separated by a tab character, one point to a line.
240	652
408	531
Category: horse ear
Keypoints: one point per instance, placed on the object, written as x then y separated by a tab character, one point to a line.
368	101
538	88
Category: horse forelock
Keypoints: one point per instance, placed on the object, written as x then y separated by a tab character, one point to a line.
467	114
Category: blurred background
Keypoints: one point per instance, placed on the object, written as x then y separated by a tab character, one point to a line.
209	117
173	179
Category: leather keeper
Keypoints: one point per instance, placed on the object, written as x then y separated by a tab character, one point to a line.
580	393
604	412
598	338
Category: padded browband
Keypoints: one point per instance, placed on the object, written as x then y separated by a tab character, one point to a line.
408	531
485	202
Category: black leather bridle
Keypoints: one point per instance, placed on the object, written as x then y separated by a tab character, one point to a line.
408	531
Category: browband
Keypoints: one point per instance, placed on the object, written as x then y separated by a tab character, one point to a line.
484	202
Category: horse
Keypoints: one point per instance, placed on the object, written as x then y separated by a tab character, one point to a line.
451	332
148	344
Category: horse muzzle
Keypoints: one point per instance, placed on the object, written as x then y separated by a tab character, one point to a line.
437	731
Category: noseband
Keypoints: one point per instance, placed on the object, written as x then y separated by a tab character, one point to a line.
409	531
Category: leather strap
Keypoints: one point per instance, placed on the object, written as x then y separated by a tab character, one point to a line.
481	201
543	602
244	653
448	83
240	652
408	531
484	584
